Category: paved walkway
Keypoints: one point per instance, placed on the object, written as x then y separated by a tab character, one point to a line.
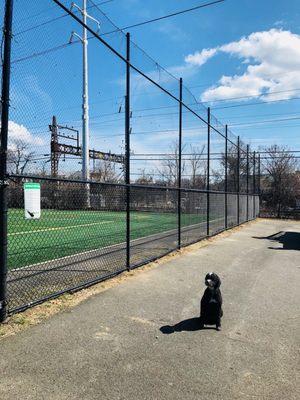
112	346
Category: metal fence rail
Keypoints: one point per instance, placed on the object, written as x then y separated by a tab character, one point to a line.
97	222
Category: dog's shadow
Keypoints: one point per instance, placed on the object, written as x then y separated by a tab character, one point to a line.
187	325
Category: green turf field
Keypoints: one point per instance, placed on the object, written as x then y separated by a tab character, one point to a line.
62	233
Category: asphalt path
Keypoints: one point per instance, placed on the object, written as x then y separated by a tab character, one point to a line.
140	339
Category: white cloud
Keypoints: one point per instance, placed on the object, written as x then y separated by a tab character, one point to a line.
275	48
17	132
200	58
235	86
273	59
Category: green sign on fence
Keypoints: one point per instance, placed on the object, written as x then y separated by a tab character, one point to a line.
32	185
32	200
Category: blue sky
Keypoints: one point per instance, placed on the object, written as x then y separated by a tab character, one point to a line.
202	46
212	27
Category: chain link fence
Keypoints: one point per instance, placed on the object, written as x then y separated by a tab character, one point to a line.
71	246
146	170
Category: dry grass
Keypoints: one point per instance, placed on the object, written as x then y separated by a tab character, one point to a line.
33	316
295	221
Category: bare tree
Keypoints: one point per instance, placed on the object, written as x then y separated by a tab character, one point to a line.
280	182
43	168
105	171
144	178
198	167
170	166
18	157
233	168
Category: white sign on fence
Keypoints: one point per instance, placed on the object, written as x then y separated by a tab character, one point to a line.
32	200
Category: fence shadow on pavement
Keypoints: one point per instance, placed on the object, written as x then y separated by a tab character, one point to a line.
289	240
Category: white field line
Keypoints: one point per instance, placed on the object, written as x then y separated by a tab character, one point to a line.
112	245
59	228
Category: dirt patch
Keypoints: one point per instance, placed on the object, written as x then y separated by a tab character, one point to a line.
33	316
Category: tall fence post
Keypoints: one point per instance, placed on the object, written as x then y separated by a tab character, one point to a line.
226	177
258	175
259	180
127	150
238	180
254	184
247	181
6	64
179	163
208	172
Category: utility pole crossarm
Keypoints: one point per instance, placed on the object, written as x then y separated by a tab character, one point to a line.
75	34
81	10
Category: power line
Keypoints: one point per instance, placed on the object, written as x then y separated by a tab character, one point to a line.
136	69
213	153
160	131
36	15
171	15
44	52
191	104
261	115
96	5
271	127
250	97
192	154
95	117
186	112
96	120
56	18
265	121
92	37
204	159
256	103
241	97
213	83
37	54
53	49
117	29
66	44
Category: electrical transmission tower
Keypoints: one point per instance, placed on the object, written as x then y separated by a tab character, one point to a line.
60	148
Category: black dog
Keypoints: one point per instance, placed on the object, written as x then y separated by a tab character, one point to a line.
211	302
